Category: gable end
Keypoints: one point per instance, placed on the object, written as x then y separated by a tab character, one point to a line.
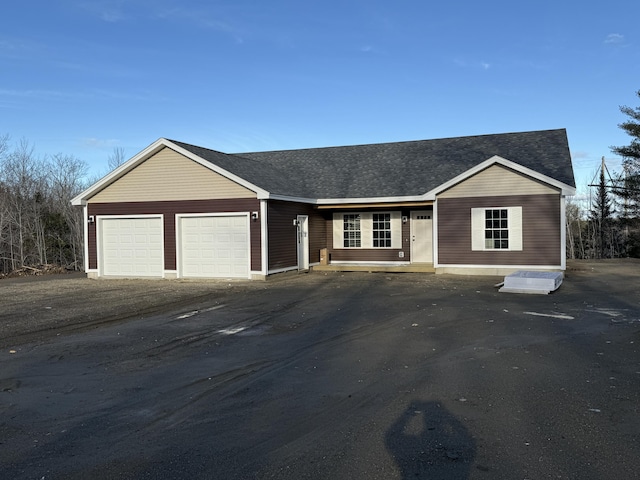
497	180
168	176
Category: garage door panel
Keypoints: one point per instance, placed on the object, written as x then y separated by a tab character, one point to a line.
214	246
132	247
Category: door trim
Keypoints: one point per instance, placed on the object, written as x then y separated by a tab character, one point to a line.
99	219
413	219
178	233
302	242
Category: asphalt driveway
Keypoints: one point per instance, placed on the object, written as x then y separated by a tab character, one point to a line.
336	376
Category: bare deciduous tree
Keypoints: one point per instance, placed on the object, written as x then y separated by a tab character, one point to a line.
38	225
116	158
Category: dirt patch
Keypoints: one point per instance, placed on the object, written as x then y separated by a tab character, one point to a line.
326	375
33	308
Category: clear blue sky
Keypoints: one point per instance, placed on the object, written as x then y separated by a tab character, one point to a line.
81	77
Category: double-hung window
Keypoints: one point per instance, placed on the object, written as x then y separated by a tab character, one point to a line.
374	230
496	228
382	230
352	237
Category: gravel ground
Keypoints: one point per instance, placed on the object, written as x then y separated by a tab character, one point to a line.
35	308
341	376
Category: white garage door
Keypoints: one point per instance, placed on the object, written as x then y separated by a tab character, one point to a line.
213	247
131	247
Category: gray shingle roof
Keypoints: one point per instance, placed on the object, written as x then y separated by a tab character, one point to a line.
392	169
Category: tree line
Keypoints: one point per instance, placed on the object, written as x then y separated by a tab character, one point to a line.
609	226
38	224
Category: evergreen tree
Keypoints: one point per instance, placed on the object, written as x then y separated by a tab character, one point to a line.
601	215
630	153
627	185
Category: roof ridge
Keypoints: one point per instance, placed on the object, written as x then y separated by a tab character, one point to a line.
401	142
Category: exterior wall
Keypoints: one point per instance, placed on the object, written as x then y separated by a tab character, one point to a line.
541	231
497	181
283	240
365	255
169	176
169	209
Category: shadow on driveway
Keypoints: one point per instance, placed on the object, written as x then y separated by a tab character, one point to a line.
427	442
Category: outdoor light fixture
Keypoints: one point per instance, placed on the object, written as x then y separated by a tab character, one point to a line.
254	216
91	219
404	219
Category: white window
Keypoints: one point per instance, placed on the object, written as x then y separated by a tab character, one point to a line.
382	230
367	230
352	234
496	228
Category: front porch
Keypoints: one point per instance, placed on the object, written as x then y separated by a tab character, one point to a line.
409	268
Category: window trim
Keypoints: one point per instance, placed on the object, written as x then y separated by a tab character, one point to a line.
514	227
366	230
385	230
346	233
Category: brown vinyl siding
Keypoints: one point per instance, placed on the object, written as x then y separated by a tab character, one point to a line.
541	234
371	254
283	249
169	210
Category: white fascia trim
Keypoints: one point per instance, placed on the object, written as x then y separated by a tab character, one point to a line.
285	198
152	149
566	189
329	201
355	201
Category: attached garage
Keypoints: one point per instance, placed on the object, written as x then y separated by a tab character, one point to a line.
213	246
177	210
131	247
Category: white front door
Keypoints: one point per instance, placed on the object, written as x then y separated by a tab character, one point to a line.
421	236
303	242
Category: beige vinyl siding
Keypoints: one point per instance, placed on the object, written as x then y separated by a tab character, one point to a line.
497	181
169	176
